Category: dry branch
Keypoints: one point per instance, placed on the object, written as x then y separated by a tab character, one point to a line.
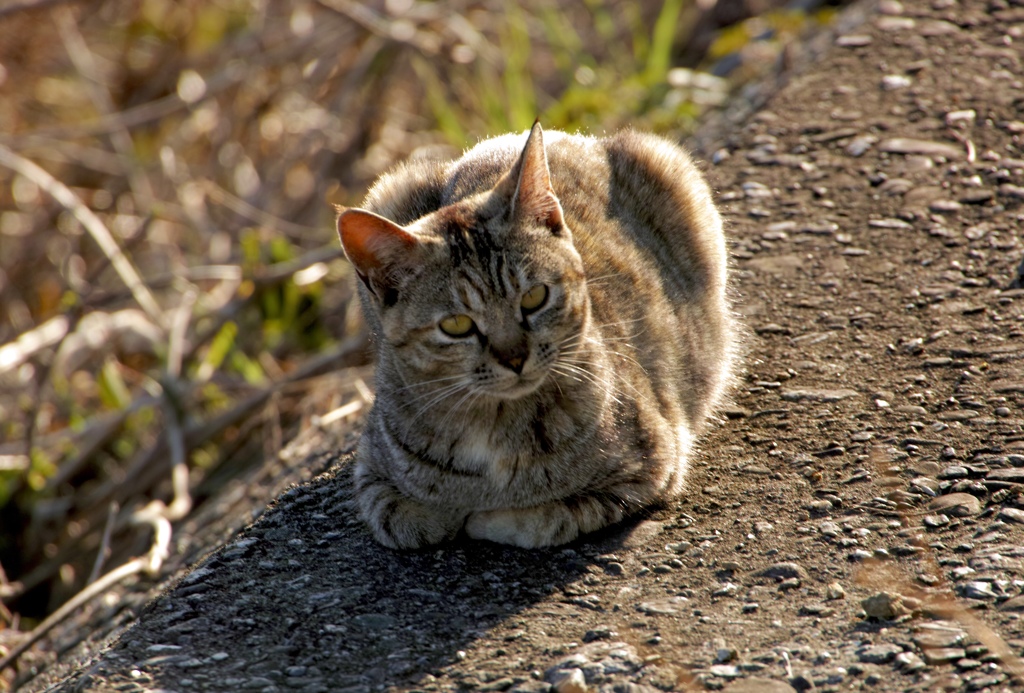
92	223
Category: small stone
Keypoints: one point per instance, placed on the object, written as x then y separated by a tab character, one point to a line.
783	571
942	655
859	146
894	82
909	662
955	471
905	145
817	395
669	605
1011	515
884	606
1014	604
725	671
599	633
815	609
755	684
614	568
726	590
945	206
959	415
956	504
257	682
937	638
976	197
569	681
835	591
977	589
1013	475
531	686
935	521
853	40
879	654
938	27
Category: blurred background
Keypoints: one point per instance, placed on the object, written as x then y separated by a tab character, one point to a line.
174	306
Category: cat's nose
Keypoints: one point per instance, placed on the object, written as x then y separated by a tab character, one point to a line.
512	356
515	363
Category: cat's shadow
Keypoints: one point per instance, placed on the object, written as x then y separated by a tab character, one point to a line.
306	596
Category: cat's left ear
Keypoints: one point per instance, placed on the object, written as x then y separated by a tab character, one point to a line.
381	250
533	198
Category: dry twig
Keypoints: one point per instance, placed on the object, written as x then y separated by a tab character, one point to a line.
92	223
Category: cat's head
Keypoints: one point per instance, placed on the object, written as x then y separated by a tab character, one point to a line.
481	296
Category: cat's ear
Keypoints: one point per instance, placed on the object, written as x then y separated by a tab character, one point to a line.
374	245
533	198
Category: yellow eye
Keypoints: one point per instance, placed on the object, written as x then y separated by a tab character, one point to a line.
457	325
534	298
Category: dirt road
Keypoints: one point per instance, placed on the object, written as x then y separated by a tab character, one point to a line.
874	448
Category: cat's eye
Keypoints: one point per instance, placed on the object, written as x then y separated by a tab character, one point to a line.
457	325
534	298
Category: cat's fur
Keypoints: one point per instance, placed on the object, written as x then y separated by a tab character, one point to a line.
537	427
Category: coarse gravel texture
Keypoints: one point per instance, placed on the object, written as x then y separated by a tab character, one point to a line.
855	521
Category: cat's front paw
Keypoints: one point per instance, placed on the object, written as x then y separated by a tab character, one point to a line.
528	528
402	523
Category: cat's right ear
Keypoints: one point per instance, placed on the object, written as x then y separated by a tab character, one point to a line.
374	245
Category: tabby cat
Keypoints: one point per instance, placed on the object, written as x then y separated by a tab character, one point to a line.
551	329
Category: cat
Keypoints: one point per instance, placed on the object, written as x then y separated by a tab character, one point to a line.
552	330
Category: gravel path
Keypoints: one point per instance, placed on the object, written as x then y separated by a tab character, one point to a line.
856	521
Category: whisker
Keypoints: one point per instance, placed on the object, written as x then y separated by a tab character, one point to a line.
581	374
424	383
439	396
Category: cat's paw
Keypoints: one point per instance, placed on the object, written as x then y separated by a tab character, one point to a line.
528	528
401	523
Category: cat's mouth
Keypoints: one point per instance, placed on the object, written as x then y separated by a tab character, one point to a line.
523	386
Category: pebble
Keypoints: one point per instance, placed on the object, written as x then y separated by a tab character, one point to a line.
1011	515
935	521
879	654
835	591
817	395
725	671
669	605
955	471
884	606
894	82
909	662
569	681
895	23
942	655
1013	475
959	415
956	504
906	145
977	590
945	206
726	590
755	684
853	40
783	571
1015	604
